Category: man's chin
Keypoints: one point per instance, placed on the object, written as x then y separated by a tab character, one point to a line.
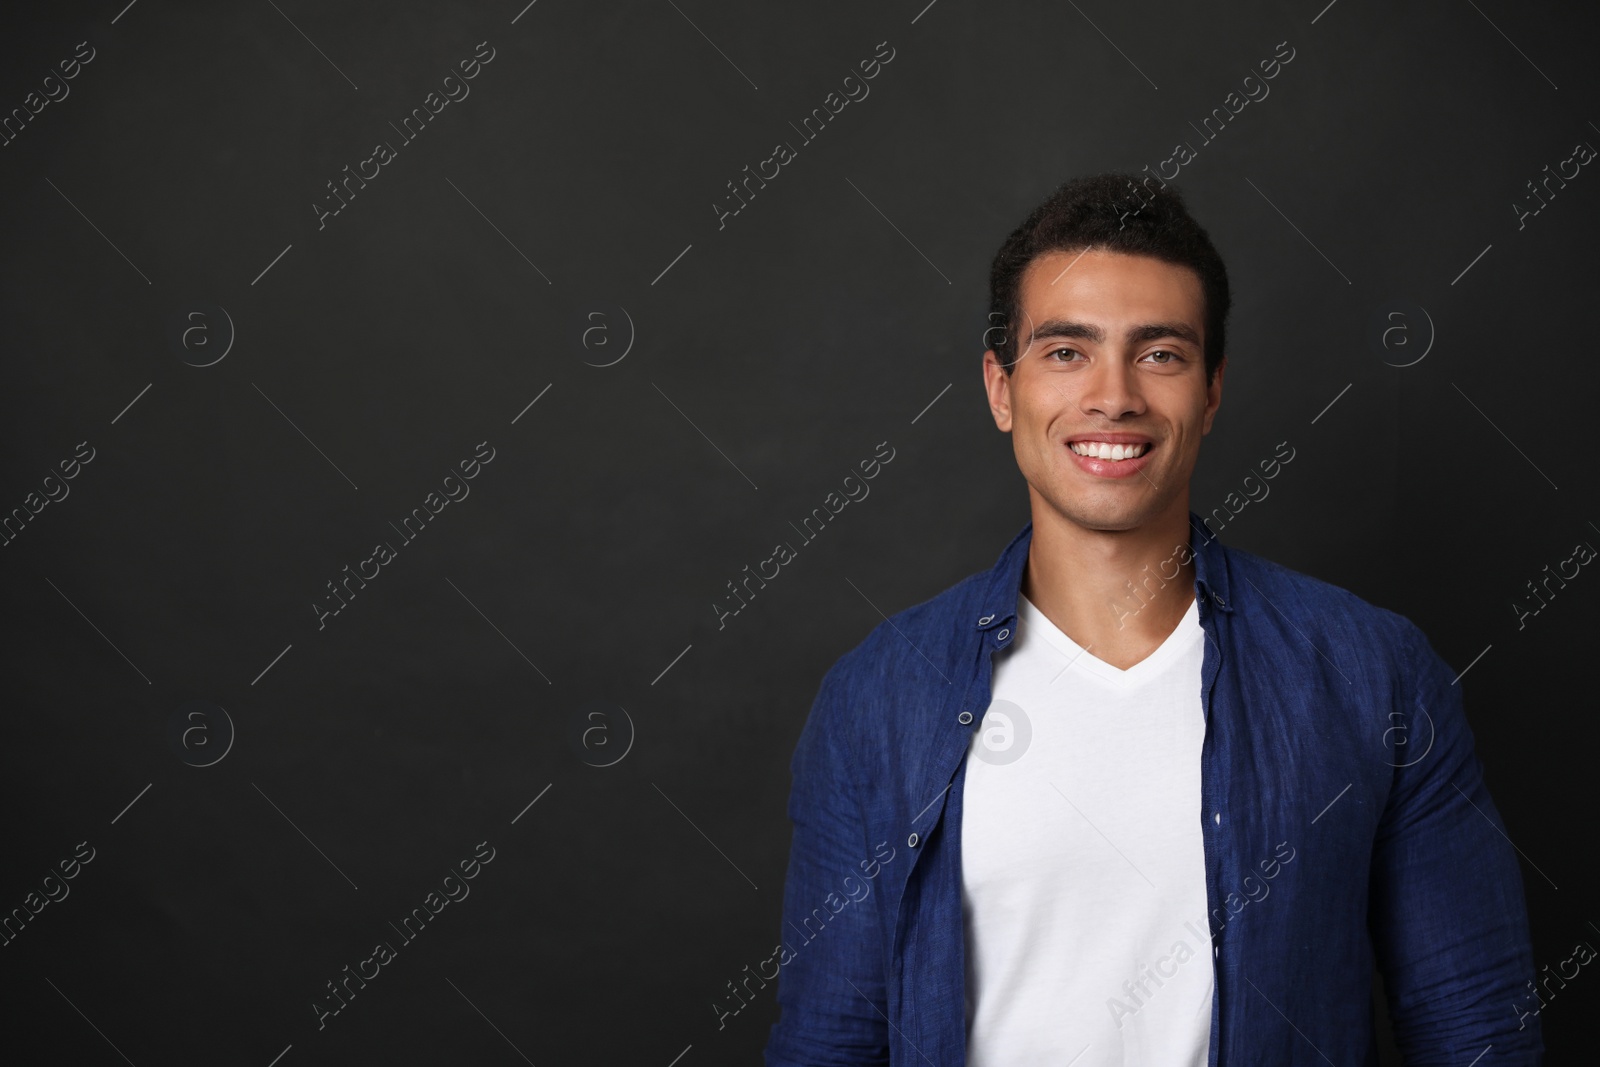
1110	516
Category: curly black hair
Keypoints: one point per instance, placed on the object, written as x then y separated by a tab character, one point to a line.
1116	212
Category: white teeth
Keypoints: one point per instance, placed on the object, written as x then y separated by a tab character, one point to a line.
1101	450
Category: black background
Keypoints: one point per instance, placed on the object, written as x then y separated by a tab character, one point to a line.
843	307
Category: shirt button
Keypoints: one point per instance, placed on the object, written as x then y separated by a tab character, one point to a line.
912	841
1004	633
986	620
1217	815
964	718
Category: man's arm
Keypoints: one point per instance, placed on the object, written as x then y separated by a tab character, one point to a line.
831	988
1448	918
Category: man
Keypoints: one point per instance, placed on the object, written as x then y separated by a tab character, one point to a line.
1133	796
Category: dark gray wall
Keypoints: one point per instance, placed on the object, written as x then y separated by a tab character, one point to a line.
163	608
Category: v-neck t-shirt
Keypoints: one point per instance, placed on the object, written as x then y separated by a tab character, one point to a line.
1082	856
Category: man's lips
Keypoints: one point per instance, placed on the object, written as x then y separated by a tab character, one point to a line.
1109	445
1110	455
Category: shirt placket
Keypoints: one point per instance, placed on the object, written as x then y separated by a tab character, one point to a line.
1211	808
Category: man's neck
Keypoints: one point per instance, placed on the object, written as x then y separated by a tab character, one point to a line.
1118	594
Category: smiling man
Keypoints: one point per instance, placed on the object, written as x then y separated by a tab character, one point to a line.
1177	835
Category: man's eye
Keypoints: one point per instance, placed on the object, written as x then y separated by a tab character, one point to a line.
1058	351
1173	357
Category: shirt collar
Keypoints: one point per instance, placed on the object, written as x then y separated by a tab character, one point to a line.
999	604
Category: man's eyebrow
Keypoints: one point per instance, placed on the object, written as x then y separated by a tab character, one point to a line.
1150	331
1065	328
1154	331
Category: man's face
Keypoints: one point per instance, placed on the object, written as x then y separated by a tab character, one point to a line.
1108	353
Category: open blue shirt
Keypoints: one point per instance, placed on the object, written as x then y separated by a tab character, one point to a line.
1331	725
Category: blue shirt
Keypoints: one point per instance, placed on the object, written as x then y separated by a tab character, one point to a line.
1334	732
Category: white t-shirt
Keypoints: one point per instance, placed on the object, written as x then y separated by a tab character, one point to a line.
1082	857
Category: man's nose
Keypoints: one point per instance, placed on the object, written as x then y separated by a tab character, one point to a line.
1112	390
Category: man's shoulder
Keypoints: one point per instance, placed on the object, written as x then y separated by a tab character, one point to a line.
1274	591
916	640
935	619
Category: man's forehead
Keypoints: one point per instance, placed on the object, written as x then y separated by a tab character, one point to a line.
1057	264
1084	277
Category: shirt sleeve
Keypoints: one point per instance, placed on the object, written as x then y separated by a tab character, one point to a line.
1447	913
831	989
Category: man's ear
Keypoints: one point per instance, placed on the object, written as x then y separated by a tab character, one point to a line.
1214	395
997	383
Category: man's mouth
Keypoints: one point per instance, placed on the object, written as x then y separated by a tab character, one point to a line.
1091	449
